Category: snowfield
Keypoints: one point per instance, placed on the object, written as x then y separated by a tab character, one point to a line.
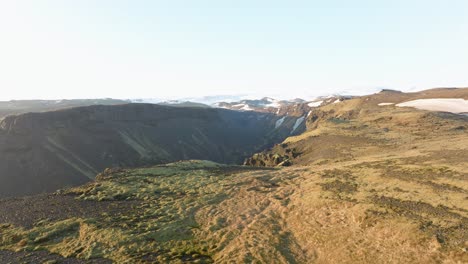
452	105
384	104
246	108
315	104
272	103
279	122
298	123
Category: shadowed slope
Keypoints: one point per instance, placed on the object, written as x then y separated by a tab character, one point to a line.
45	151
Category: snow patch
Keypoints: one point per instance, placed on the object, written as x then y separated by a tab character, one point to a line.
279	122
315	104
273	105
298	123
246	108
452	105
384	104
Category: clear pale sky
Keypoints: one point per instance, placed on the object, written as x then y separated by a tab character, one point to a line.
173	48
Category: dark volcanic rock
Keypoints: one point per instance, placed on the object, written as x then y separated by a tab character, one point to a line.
268	160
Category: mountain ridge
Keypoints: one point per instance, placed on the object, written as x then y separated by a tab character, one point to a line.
362	112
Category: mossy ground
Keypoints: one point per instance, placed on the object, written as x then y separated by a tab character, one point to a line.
204	212
159	228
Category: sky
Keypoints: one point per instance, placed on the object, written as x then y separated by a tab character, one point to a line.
68	49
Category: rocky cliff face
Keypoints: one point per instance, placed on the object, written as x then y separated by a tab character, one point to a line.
45	151
269	159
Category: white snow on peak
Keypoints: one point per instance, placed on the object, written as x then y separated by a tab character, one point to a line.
246	108
298	123
453	105
273	104
315	104
308	114
384	104
279	122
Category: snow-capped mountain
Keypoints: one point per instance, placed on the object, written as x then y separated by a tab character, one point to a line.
176	103
248	105
294	107
206	100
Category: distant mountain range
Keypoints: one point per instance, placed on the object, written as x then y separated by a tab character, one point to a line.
294	107
206	100
15	107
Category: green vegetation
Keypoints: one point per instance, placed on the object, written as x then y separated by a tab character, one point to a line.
160	227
